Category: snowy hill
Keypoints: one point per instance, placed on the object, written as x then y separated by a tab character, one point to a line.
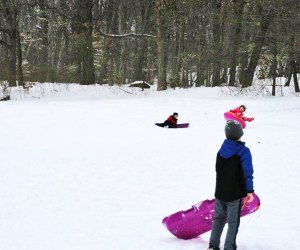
86	169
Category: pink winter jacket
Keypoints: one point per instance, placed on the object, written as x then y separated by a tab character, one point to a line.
239	114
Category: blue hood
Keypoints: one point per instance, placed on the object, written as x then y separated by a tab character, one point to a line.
230	148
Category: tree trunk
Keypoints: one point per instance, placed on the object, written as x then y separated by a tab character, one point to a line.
178	64
83	31
238	13
13	59
120	64
161	46
141	57
202	64
55	57
108	68
287	84
88	71
291	60
294	70
249	73
20	60
44	66
216	30
274	66
11	15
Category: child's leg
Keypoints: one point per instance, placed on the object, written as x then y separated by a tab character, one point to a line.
218	223
167	123
233	217
172	125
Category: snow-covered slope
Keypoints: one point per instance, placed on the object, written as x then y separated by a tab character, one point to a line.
88	170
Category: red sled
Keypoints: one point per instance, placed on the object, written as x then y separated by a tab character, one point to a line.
198	220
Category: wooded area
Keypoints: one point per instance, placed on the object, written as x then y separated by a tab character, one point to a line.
181	43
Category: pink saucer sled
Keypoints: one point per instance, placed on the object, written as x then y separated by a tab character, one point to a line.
232	116
198	220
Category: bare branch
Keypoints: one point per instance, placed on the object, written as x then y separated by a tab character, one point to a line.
125	35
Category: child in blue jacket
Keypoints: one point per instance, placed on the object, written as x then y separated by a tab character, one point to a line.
234	182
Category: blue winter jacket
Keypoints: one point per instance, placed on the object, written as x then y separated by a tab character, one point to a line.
230	148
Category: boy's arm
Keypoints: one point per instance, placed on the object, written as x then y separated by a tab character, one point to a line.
246	158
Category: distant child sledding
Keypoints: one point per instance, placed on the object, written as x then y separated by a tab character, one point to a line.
171	122
237	114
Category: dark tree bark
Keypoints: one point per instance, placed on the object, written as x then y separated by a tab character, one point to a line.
238	10
20	59
291	62
294	72
202	64
44	66
161	45
287	84
88	71
273	69
120	59
84	35
141	52
12	17
13	58
248	75
274	63
107	68
177	69
216	30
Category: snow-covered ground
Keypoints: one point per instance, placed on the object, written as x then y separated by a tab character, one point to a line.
87	169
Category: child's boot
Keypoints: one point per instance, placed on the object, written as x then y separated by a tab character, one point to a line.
211	247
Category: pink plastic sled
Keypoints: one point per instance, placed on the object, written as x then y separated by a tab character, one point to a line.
232	116
197	220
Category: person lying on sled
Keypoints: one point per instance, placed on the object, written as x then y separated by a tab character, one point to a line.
239	112
171	122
